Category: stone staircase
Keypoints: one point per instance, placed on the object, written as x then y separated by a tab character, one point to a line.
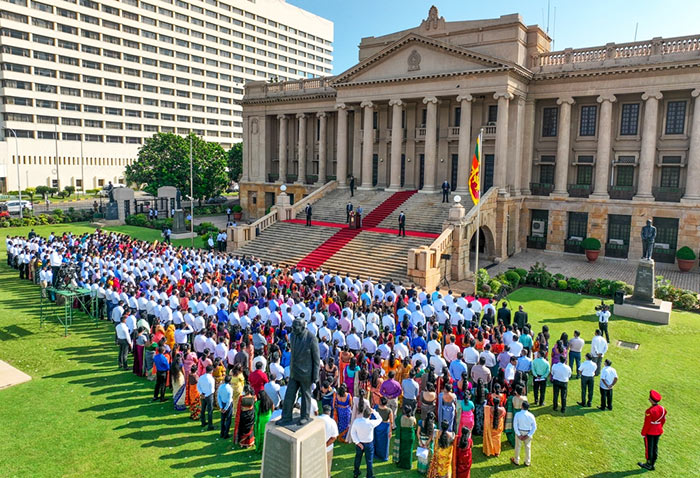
424	212
286	243
332	207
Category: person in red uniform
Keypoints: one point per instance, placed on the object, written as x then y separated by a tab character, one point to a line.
654	420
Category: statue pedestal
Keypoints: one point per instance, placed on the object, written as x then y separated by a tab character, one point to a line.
112	211
642	305
179	222
295	452
644	282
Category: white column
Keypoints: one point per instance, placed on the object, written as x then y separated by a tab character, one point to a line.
602	160
465	141
321	115
528	141
367	144
561	167
429	169
396	145
648	153
282	152
301	149
501	156
692	184
342	145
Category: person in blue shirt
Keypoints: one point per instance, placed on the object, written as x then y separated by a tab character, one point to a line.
224	398
222	315
419	341
162	368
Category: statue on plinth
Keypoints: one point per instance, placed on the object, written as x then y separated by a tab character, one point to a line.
303	371
648	240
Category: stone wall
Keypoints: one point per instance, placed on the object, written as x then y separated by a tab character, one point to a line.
252	196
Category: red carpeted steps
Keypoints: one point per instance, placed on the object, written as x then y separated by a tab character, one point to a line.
336	242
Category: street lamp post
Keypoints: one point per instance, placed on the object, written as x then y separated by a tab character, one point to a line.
19	185
191	194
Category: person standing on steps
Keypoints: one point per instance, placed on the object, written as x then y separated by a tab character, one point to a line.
402	224
445	191
358	213
352	186
348	210
653	428
308	210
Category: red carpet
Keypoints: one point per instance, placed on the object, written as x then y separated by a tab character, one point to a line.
381	230
338	240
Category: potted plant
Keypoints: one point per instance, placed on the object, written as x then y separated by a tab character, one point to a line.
591	246
686	258
237	212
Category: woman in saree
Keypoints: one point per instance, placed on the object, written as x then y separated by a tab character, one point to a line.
177	377
342	406
170	336
192	395
441	463
513	406
406	438
426	435
140	352
245	419
465	414
382	433
219	374
463	454
327	394
149	352
447	407
494	423
329	372
263	412
189	358
350	372
375	384
479	404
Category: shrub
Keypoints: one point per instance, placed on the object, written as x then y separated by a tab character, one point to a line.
139	220
482	279
522	273
562	284
206	228
495	286
514	278
539	276
687	301
685	253
237	208
575	285
590	244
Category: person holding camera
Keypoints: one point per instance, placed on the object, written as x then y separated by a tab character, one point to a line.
603	313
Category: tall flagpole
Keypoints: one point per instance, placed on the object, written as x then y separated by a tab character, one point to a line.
478	215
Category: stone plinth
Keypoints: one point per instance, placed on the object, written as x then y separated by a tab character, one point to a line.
658	312
644	283
121	197
299	453
179	222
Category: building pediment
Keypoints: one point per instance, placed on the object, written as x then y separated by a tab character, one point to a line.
414	57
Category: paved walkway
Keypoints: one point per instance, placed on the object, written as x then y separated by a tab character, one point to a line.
10	376
575	265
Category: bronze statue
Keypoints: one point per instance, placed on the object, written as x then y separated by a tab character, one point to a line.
648	240
303	371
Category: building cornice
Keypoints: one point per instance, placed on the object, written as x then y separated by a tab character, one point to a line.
288	99
607	71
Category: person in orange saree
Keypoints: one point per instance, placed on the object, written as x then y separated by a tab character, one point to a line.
463	455
192	395
441	464
494	423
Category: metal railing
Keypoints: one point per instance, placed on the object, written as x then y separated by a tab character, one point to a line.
668	194
622	192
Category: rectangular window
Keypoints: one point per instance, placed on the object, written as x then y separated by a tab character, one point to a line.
549	122
71	136
629	119
546	174
40	55
45	72
46	120
43	40
675	117
70	106
670	177
97	95
493	114
68	45
584	175
38	22
578	224
65	75
624	176
589	114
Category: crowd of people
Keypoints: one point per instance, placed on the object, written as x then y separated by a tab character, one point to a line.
430	370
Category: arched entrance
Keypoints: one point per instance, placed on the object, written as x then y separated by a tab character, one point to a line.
487	247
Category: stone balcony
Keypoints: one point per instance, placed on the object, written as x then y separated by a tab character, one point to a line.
622	192
375	135
579	190
541	189
453	133
261	90
668	194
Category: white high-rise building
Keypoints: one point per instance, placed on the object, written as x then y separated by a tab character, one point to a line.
84	82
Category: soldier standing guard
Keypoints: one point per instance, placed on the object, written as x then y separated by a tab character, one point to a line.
653	428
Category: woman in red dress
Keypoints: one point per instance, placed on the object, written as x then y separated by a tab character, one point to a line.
463	455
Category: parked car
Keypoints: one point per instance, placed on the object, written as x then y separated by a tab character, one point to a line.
233	189
14	206
217	200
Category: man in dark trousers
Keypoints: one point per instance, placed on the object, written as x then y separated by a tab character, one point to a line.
303	371
308	214
348	210
653	428
402	224
520	318
162	368
504	314
445	191
352	186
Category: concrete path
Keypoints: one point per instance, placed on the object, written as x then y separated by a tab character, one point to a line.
10	376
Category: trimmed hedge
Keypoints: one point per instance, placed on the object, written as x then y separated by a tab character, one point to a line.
590	244
685	253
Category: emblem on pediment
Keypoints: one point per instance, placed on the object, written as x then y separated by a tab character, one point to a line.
414	61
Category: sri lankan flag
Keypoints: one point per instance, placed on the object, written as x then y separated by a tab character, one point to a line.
474	186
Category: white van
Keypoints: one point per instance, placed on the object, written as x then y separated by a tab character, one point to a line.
14	205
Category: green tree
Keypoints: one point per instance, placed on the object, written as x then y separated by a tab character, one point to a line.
69	190
164	160
235	162
30	192
43	191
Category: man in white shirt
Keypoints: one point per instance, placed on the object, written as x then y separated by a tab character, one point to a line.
362	434
206	387
331	435
587	370
471	356
524	426
438	364
598	349
561	373
603	319
608	379
124	341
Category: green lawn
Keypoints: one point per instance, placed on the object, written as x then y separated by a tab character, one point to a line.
80	416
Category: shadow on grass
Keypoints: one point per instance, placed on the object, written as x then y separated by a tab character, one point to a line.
617	474
13	332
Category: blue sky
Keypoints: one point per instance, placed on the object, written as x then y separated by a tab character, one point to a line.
598	23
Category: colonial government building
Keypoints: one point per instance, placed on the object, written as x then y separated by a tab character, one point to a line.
577	143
